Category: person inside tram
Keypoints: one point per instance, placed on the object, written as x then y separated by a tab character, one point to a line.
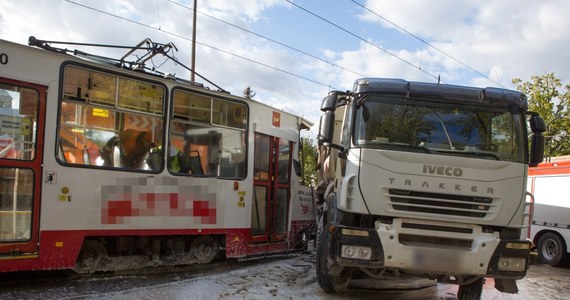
186	160
128	149
179	161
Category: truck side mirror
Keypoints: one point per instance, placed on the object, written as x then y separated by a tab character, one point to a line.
537	126
333	100
536	149
329	102
326	128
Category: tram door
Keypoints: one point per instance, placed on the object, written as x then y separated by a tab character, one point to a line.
272	187
22	111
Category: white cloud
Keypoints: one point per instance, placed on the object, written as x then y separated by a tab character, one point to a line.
250	9
501	39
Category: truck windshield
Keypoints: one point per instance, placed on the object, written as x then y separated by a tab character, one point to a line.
394	123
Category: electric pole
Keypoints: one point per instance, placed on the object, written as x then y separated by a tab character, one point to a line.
192	77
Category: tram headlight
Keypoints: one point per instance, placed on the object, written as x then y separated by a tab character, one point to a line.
356	252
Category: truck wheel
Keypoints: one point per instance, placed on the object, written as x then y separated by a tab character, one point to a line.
329	283
319	233
471	291
552	250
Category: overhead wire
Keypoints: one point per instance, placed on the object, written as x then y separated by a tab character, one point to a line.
269	39
296	49
200	43
362	39
427	43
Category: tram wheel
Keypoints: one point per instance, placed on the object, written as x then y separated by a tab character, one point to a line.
205	248
90	257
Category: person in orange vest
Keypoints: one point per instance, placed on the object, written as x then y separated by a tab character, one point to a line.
133	146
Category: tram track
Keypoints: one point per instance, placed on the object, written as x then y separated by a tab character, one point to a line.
70	285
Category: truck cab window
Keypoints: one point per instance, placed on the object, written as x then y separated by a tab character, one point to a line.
387	123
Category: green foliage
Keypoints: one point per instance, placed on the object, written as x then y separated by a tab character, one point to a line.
549	98
248	92
309	162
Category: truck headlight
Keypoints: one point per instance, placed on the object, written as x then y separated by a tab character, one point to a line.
512	264
356	252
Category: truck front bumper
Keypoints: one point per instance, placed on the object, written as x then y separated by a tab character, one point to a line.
435	248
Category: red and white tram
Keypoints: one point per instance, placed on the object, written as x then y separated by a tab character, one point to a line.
103	167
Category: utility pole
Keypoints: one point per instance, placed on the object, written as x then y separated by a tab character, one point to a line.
192	77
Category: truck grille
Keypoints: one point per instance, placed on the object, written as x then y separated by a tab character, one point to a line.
441	204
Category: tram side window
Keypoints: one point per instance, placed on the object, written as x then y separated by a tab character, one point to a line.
203	142
110	121
18	116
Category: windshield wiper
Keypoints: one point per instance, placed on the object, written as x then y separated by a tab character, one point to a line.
466	153
489	154
397	146
444	129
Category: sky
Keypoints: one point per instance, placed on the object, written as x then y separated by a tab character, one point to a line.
293	52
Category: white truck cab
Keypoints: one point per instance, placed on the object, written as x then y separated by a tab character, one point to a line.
428	180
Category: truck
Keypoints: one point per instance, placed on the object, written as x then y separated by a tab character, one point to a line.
425	180
550	226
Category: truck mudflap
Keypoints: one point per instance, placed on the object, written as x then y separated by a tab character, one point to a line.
428	247
510	260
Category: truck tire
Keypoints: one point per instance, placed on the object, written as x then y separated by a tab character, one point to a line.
552	250
471	291
319	231
327	282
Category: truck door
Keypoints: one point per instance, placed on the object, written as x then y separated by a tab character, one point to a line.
22	113
272	188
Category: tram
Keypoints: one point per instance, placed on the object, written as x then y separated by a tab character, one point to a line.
106	164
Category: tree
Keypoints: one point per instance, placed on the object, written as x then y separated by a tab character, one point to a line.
309	162
551	100
248	93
